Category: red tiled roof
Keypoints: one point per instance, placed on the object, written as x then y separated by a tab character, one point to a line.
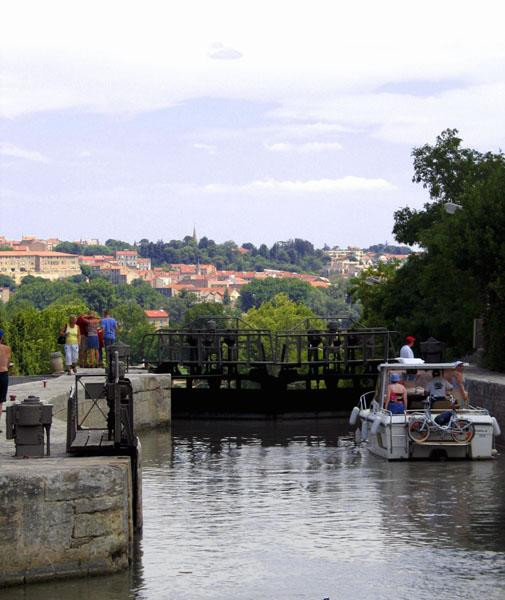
156	314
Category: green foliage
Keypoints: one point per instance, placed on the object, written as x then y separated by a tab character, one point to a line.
42	292
389	249
278	314
75	248
322	301
118	245
459	276
32	334
204	309
178	306
371	289
6	281
293	255
133	325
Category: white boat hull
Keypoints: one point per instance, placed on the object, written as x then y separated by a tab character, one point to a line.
389	438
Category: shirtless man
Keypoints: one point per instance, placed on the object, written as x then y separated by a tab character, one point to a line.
5	359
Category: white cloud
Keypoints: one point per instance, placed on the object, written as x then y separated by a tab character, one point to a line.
16	152
328	50
304	148
477	111
205	147
349	183
220	52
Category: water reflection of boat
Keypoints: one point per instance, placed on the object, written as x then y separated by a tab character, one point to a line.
430	426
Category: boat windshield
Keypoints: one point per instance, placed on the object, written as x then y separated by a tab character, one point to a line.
441	382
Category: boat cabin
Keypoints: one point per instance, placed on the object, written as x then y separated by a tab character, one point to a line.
418	379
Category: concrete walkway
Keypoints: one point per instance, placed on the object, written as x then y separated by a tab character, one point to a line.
152	406
51	390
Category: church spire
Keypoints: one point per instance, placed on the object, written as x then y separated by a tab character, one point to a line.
195	239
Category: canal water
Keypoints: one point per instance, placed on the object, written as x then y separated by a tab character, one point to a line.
288	510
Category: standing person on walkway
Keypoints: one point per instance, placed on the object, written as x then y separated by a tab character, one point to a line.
406	350
5	360
92	339
82	322
109	325
101	345
72	334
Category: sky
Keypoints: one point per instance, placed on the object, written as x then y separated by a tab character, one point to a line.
250	120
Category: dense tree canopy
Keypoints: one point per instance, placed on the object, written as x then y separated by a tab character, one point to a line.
330	301
293	255
459	274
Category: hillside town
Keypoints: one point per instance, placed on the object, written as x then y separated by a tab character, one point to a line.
38	257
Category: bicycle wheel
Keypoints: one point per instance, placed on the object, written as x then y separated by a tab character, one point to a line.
419	430
462	431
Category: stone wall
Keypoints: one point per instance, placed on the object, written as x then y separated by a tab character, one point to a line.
70	517
487	389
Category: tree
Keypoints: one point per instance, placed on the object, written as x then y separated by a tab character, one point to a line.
459	274
278	314
133	326
199	312
118	245
99	294
257	292
178	306
7	282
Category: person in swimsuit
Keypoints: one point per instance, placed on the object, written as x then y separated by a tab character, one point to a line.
396	399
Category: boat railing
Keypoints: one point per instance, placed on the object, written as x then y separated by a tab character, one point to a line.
363	400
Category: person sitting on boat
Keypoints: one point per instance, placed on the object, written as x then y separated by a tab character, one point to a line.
396	401
438	387
455	378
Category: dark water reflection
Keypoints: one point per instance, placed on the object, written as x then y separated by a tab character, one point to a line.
281	510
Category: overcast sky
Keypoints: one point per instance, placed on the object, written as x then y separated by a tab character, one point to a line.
255	121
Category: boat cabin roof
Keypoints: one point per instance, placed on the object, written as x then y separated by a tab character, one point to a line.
400	364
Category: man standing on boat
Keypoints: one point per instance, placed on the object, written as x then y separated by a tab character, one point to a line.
406	350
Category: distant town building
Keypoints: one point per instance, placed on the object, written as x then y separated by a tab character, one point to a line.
158	318
49	265
127	258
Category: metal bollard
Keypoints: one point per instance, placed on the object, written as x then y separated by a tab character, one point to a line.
26	423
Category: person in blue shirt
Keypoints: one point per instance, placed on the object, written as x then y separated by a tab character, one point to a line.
109	326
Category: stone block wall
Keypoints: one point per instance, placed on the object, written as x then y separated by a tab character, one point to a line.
487	389
70	517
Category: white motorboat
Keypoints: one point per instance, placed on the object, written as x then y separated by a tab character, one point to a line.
430	427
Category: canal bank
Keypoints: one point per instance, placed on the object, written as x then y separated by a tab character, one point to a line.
487	389
67	516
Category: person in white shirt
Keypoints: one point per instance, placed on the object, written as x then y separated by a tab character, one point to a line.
406	350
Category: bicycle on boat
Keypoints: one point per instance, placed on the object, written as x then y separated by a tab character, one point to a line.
423	425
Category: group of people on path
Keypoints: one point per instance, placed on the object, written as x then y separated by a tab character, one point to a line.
85	338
